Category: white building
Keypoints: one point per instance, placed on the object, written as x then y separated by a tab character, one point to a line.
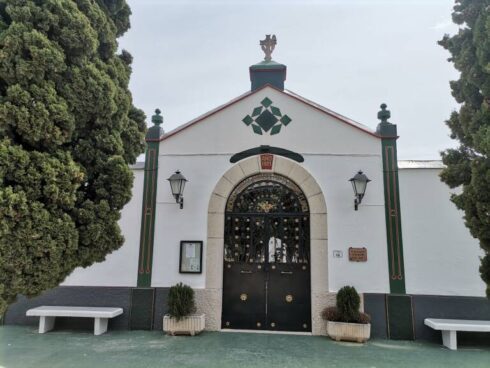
269	231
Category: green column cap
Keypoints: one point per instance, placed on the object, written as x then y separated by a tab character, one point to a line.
267	72
156	131
385	128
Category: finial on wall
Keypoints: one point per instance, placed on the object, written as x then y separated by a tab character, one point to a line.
385	128
157	119
384	114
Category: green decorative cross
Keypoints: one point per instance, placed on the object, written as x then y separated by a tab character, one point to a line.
266	118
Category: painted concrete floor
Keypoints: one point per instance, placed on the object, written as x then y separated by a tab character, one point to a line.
23	347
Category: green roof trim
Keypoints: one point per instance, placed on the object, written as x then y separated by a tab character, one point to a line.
268	65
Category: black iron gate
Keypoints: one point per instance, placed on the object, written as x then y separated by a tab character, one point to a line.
266	280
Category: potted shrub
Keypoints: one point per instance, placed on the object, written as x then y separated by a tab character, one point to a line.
181	308
345	322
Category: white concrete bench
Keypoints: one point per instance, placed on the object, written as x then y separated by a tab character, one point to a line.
449	327
48	314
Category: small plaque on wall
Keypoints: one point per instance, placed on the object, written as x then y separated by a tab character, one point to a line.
357	254
190	256
266	161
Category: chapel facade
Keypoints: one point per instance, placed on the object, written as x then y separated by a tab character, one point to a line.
275	203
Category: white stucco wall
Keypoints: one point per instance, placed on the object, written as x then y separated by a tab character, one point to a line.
120	267
441	257
333	152
346	227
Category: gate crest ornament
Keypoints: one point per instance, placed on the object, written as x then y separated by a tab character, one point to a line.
266	118
265	206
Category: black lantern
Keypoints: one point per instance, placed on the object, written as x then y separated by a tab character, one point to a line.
359	184
177	184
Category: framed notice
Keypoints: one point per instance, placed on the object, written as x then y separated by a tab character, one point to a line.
190	256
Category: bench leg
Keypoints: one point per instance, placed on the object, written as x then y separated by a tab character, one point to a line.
449	340
46	324
100	325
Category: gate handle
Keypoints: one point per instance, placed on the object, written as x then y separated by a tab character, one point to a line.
286	272
242	271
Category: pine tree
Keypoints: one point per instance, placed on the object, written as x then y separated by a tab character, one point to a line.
468	166
68	131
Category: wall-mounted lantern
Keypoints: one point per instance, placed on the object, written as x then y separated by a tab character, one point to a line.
177	184
359	183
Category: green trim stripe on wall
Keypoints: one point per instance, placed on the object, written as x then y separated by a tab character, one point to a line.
148	215
393	217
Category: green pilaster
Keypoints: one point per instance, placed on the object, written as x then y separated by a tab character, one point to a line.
149	201
388	133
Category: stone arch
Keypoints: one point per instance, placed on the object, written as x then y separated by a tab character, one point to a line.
210	299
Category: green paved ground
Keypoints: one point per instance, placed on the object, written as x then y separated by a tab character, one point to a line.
23	347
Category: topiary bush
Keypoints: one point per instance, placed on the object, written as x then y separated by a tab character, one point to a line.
348	303
181	301
347	308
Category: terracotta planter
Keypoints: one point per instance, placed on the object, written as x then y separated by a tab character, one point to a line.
190	325
356	332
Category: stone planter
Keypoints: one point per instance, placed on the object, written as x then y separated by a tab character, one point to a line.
190	325
356	332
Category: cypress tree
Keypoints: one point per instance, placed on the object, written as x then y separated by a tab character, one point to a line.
68	130
468	166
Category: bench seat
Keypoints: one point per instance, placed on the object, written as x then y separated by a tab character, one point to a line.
48	314
449	328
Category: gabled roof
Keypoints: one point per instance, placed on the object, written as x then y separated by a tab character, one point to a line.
297	97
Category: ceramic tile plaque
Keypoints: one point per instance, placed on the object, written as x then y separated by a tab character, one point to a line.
358	254
266	160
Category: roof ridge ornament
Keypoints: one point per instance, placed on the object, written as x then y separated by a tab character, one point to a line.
268	46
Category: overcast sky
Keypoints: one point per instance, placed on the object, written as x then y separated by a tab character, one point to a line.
349	55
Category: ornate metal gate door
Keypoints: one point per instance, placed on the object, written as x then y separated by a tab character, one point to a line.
266	280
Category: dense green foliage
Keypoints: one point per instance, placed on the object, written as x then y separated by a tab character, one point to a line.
468	166
348	303
181	301
68	131
347	308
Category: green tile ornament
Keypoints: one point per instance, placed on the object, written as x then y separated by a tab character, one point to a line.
257	129
276	111
266	118
276	129
257	111
285	120
248	120
266	102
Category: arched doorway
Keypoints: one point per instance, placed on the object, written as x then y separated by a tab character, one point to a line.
266	273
